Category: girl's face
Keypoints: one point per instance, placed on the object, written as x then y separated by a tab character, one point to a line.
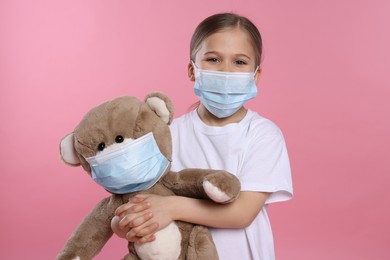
229	50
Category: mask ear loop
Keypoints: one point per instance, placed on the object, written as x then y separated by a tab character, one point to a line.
193	63
257	70
194	69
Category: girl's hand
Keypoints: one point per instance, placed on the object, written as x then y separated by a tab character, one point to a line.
143	216
134	214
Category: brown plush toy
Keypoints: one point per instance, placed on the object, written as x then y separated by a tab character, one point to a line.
125	145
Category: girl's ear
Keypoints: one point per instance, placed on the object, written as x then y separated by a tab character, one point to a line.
67	152
160	104
191	71
258	75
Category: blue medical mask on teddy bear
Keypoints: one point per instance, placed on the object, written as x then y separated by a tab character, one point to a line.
129	167
224	93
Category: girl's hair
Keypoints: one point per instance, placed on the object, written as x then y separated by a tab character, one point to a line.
221	21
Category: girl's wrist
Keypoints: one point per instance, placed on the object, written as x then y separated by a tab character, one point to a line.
176	204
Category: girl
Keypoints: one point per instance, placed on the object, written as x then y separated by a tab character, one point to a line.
225	52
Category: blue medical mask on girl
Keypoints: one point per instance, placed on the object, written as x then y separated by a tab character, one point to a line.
129	167
224	93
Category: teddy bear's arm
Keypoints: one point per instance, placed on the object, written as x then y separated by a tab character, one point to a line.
92	233
217	185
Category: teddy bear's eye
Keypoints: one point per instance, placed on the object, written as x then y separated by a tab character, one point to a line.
101	146
119	139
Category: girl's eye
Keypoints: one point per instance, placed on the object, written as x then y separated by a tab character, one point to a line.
212	59
240	62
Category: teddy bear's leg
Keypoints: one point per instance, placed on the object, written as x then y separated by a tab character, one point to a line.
201	245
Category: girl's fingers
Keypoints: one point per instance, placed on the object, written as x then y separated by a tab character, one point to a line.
116	228
143	231
138	198
141	240
141	220
123	208
133	201
130	208
146	239
148	231
129	221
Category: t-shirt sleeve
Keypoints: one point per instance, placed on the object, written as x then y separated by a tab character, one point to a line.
266	167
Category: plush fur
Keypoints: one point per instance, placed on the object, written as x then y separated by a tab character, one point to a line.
132	118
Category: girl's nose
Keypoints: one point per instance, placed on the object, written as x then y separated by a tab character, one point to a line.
226	67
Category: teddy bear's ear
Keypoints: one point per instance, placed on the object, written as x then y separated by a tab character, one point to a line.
67	151
161	105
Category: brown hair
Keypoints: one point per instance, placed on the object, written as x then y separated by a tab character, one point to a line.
218	22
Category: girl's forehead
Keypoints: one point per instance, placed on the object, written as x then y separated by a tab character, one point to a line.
230	40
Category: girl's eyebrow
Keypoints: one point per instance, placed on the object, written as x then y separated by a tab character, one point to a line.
211	52
217	53
246	56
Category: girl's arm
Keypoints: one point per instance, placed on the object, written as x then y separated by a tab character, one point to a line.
135	216
238	214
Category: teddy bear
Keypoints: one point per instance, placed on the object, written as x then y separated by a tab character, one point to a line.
125	145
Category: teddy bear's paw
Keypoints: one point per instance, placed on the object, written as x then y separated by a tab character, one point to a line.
221	186
215	193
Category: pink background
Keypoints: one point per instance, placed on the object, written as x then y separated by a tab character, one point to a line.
325	82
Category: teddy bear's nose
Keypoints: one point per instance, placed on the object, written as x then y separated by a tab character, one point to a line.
119	139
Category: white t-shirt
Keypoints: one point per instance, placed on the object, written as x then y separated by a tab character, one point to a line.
254	150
